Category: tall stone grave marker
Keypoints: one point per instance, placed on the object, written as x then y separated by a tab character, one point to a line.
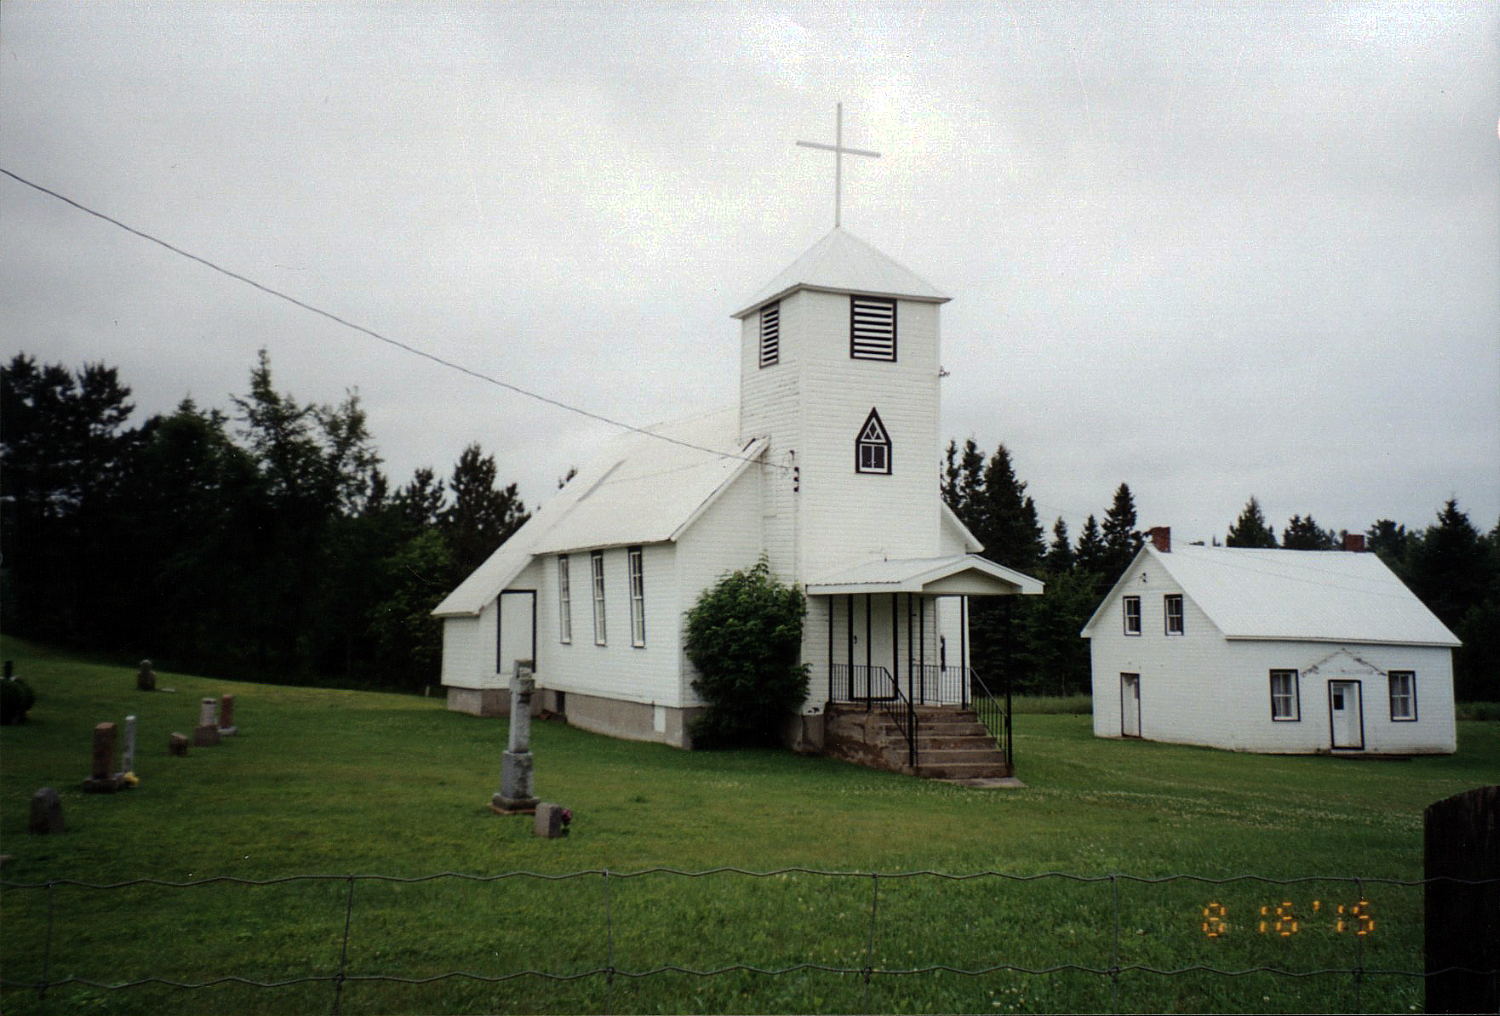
515	796
206	734
226	716
145	678
127	756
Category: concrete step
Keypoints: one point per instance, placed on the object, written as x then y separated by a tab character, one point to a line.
971	728
942	756
963	771
928	742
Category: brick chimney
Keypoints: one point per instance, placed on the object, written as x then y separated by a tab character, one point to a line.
1161	538
1354	543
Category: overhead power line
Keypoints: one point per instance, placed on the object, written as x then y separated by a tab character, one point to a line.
397	343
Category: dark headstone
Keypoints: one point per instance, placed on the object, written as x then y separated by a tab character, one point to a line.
226	716
102	777
46	812
145	678
551	821
177	745
1461	837
206	736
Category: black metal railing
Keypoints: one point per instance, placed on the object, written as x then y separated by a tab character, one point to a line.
994	712
857	682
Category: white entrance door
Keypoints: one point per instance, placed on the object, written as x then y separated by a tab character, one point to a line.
1130	705
1346	714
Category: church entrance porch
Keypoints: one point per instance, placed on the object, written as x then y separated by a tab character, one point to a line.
898	689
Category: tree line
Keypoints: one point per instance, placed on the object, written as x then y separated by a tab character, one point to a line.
1450	565
262	542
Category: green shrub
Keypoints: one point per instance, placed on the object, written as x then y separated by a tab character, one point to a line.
744	635
16	697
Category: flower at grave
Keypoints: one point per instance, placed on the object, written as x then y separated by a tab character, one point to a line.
131	779
567	816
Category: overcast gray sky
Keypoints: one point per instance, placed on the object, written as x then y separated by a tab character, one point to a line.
1211	250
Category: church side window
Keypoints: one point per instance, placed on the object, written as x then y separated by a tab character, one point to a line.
564	602
1132	615
872	328
1172	606
1285	702
770	335
637	599
872	448
597	560
1403	695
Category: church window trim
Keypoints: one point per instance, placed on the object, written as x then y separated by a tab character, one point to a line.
564	602
872	328
637	598
596	560
770	335
872	446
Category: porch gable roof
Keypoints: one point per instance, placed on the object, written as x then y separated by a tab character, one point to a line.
954	575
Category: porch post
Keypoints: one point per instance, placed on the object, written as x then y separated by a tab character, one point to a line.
829	601
869	642
922	645
849	625
909	688
895	642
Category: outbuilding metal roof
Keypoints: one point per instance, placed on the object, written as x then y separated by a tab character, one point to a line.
1299	595
844	263
640	489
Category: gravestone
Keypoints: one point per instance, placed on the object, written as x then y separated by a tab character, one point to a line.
177	744
127	756
551	821
102	778
206	734
226	716
515	797
46	812
145	678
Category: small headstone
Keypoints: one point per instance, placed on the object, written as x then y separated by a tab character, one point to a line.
46	812
145	678
206	734
102	778
177	744
226	716
551	821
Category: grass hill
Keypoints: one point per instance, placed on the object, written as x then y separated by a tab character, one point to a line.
338	782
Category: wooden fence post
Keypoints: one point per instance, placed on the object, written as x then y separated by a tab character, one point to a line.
1462	922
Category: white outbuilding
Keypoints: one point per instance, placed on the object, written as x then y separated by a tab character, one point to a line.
828	467
1282	651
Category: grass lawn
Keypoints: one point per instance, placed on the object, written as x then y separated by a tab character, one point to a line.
340	782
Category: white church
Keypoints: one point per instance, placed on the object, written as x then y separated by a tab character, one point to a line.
829	467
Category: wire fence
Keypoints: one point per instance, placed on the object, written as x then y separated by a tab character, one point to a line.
860	927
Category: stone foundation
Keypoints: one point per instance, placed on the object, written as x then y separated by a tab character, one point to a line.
630	721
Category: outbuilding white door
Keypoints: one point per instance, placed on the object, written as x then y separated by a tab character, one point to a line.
1130	705
1346	714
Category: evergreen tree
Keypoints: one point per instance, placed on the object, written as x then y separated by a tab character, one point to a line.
1250	529
1060	554
1007	519
1121	539
481	515
1391	541
1091	550
1305	534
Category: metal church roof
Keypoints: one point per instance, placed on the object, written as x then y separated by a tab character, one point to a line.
842	262
640	489
1296	595
965	574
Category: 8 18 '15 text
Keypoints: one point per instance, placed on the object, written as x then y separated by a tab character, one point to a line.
1284	920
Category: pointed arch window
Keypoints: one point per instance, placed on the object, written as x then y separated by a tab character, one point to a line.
872	448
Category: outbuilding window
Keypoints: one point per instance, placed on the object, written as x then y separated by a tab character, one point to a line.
564	602
1286	703
872	328
770	334
1403	695
1132	615
1172	605
872	448
597	560
637	599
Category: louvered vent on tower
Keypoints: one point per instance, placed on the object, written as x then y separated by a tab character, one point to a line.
872	328
770	334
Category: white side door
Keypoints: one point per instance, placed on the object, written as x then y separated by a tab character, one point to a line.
1346	714
1130	705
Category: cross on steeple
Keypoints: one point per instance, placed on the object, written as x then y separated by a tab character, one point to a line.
839	151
